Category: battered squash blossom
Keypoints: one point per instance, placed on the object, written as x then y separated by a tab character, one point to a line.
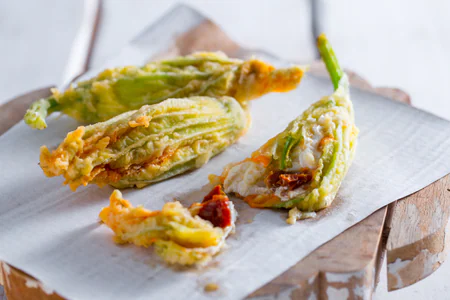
148	145
185	236
302	167
115	91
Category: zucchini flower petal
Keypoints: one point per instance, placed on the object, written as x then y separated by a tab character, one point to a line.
303	166
180	235
148	145
115	91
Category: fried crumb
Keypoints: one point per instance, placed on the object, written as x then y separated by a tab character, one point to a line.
295	214
249	221
211	287
140	121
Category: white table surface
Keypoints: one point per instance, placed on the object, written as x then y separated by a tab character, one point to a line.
403	44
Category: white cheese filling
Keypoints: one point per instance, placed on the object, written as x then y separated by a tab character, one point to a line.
247	179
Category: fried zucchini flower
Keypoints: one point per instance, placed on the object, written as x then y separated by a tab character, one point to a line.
115	91
148	145
303	166
185	236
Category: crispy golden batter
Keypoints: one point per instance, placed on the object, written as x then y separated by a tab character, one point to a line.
115	91
151	144
302	167
179	235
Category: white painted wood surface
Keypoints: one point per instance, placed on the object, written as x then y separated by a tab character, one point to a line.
402	44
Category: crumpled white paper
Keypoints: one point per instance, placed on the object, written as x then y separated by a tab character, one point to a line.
54	234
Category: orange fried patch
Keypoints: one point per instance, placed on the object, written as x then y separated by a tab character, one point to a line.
259	201
56	162
104	175
325	141
167	154
121	207
284	82
262	159
140	121
90	146
258	78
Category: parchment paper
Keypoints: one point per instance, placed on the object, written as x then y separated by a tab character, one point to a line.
54	234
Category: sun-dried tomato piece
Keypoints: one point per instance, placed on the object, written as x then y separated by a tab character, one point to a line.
215	208
272	179
217	190
293	181
289	180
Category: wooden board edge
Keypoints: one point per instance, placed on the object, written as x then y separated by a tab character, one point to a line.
384	239
19	285
411	258
310	279
13	111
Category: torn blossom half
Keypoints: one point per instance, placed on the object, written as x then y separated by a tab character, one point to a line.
185	236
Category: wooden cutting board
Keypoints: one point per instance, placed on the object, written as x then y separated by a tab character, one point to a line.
414	228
